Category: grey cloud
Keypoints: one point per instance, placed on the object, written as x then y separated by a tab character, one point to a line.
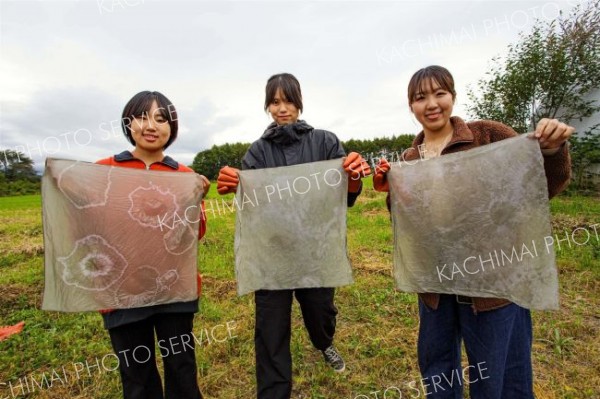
62	123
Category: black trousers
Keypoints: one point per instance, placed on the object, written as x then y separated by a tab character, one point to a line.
273	331
134	344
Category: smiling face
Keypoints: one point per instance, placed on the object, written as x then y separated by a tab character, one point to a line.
282	110
151	131
432	106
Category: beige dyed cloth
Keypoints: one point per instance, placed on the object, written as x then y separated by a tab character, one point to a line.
291	227
117	237
476	223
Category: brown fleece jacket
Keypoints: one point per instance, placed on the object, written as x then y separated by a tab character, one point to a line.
474	134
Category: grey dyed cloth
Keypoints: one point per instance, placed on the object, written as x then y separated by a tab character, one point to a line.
291	227
476	223
118	238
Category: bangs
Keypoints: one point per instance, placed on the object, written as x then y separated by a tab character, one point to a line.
422	81
290	88
143	104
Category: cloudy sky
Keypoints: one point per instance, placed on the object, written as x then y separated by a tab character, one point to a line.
67	68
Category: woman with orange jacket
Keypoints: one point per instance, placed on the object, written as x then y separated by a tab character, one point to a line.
150	123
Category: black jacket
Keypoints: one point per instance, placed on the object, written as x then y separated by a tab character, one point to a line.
294	144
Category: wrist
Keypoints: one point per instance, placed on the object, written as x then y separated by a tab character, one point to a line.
354	185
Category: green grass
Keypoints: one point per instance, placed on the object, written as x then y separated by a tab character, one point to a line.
576	206
377	325
20	203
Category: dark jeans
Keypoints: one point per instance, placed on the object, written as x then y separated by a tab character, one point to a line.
134	345
498	345
273	330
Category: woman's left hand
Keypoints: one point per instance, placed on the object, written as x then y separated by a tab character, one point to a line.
552	133
380	181
356	166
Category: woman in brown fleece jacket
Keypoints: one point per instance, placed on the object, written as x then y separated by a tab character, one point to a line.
497	333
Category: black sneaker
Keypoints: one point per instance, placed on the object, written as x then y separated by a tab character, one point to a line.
333	358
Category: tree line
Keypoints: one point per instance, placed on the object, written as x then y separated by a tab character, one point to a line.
209	162
18	176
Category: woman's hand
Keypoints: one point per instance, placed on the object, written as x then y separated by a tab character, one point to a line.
228	180
356	167
551	133
380	182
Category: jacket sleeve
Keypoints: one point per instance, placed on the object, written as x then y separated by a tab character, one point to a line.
558	170
335	150
104	161
333	146
254	158
388	202
202	227
201	232
497	131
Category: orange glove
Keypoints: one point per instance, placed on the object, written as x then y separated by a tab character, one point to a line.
356	167
202	227
228	180
380	182
7	331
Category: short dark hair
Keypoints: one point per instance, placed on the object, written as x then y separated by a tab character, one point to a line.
141	104
290	87
423	76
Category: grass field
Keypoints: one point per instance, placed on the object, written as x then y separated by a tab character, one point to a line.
377	325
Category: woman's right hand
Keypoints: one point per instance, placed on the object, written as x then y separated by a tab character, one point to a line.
228	180
380	182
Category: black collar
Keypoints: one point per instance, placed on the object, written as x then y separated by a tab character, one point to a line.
128	156
286	134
